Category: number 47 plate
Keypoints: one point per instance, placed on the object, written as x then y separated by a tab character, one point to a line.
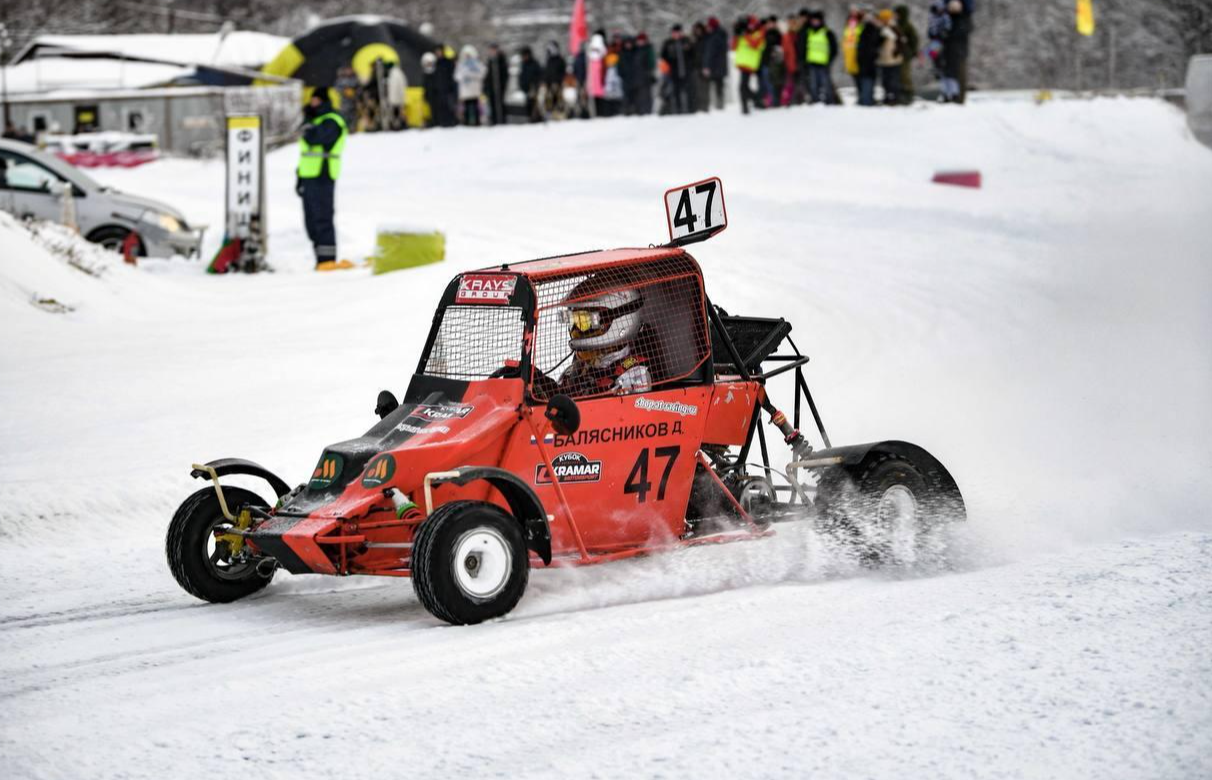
695	212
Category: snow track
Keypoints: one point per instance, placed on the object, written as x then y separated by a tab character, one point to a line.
1048	337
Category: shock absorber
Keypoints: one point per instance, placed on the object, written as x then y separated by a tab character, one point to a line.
800	448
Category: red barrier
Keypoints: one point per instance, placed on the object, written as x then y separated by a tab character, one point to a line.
959	178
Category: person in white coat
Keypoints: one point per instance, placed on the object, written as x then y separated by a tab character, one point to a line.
469	74
397	88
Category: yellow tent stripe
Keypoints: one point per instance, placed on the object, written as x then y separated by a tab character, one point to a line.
284	65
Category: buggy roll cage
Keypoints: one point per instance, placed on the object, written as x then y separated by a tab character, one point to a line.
761	338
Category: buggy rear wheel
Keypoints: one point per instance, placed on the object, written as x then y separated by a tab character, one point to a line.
469	562
889	511
203	564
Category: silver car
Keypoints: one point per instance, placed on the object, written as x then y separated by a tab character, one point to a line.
33	183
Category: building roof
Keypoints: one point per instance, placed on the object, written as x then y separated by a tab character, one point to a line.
240	49
47	75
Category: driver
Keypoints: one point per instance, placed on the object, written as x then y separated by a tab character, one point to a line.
603	333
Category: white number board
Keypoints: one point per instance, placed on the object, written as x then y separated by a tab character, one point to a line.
695	211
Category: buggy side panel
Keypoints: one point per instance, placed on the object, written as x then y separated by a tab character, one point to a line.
730	414
626	472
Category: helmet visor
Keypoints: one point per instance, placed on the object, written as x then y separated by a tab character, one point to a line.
583	321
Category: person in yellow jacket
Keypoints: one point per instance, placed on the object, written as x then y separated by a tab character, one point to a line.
320	148
850	39
749	45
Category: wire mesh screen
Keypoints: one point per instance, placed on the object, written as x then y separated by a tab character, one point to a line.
648	328
474	341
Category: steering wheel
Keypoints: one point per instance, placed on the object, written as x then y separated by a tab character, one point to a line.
542	386
507	372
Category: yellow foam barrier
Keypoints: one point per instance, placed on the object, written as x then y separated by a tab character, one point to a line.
397	249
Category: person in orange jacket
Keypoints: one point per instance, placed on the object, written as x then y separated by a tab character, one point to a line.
749	44
791	59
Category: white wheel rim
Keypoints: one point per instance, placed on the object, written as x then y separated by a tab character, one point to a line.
482	562
898	519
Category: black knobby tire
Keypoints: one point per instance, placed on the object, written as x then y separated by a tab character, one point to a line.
434	549
887	511
189	536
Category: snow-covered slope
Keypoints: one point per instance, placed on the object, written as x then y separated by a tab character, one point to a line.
1048	337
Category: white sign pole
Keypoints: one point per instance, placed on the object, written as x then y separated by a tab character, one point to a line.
246	188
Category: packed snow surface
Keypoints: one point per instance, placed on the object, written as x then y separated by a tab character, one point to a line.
1048	337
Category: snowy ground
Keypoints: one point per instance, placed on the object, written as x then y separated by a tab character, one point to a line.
1048	337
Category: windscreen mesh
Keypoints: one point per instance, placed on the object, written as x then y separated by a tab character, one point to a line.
474	341
670	341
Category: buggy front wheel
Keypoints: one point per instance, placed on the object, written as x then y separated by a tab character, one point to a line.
200	552
469	562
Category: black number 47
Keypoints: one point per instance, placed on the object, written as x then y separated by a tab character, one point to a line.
637	480
685	217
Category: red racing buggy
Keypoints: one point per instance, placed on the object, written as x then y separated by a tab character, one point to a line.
565	411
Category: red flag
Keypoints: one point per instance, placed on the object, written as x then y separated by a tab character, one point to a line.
578	29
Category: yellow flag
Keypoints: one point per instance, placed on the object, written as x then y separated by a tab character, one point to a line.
1085	17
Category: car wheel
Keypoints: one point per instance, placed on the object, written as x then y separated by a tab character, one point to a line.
114	238
469	562
203	565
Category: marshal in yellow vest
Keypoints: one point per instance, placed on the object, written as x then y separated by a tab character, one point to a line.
312	156
818	47
749	56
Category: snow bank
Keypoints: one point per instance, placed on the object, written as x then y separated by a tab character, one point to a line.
50	268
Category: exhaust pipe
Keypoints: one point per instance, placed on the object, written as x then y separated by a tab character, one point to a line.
266	567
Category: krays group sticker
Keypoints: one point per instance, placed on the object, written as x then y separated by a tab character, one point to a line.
485	288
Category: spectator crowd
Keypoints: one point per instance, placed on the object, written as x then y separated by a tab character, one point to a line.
776	62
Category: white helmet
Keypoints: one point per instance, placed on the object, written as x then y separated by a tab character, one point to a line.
603	322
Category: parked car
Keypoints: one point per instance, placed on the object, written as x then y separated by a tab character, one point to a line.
32	186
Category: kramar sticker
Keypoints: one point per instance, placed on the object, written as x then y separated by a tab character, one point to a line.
441	411
569	467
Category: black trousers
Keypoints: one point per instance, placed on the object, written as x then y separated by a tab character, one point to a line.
317	217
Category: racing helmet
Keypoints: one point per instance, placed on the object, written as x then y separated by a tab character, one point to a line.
602	322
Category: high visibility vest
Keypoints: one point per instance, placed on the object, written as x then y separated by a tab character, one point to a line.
818	47
748	56
312	156
850	47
